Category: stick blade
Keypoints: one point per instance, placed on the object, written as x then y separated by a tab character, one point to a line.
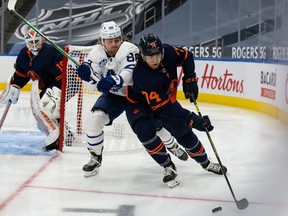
11	4
242	204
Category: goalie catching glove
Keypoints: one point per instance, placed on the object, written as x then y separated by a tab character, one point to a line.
11	93
198	122
50	102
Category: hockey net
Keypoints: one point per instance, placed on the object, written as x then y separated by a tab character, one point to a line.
77	102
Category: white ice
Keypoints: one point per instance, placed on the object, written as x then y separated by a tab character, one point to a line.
252	145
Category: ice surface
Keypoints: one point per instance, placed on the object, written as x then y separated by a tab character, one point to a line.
252	145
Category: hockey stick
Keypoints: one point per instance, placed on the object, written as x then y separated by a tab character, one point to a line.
241	204
11	7
5	113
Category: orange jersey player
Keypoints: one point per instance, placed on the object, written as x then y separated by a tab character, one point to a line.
153	96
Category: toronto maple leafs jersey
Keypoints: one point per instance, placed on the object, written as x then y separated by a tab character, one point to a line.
122	64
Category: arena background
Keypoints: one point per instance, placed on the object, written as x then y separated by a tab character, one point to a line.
240	47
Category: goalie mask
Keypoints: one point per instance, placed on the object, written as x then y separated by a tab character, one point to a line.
34	41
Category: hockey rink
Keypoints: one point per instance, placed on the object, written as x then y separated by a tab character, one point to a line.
252	145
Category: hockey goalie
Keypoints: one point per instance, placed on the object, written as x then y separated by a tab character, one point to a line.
41	63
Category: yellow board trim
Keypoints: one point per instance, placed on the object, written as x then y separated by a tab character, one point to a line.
25	88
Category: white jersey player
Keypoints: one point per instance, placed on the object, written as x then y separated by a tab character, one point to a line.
113	62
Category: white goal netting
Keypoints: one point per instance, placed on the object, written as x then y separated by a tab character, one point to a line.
77	102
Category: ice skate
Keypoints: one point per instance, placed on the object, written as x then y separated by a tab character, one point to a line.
170	176
178	152
215	168
92	167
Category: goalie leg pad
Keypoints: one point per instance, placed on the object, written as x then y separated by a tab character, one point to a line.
48	126
94	130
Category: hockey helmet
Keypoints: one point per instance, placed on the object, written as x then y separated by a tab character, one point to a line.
34	41
150	45
110	30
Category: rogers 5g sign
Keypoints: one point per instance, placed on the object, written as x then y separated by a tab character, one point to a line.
249	52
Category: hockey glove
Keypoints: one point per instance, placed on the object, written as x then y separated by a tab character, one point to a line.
10	93
190	86
198	122
84	71
106	84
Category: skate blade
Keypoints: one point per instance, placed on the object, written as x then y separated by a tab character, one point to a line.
173	183
92	173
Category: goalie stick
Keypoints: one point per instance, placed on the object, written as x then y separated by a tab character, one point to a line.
11	7
5	113
241	204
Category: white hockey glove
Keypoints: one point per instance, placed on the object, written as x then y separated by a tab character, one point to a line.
50	102
11	92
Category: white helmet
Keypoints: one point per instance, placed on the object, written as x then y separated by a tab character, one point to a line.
110	30
34	41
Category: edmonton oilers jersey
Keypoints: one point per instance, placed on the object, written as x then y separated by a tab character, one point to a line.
45	67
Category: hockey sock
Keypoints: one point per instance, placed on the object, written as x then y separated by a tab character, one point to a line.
146	133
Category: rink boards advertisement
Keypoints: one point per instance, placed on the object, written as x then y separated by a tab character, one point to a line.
259	81
266	82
